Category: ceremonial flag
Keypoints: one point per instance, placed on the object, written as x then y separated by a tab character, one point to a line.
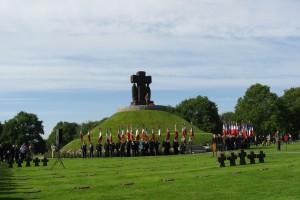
110	136
176	132
119	135
192	132
143	132
183	130
89	136
137	134
100	135
159	133
224	129
131	134
152	134
127	133
122	135
168	134
106	136
81	135
146	134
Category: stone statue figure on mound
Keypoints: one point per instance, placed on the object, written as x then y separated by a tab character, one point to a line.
141	92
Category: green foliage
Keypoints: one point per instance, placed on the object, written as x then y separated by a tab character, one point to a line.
71	131
291	100
196	176
228	117
202	112
24	128
260	107
150	119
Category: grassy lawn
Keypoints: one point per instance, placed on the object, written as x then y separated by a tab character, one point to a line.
196	176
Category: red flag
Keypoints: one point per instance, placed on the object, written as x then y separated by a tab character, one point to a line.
152	134
137	135
183	130
122	135
176	132
143	132
192	132
89	136
81	135
168	134
100	135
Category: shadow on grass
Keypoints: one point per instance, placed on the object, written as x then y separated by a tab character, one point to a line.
7	183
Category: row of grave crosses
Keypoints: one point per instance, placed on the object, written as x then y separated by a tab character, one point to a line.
242	155
36	162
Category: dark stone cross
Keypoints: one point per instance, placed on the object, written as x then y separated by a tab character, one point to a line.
221	160
232	159
242	156
45	160
19	161
251	157
261	157
141	93
28	159
36	161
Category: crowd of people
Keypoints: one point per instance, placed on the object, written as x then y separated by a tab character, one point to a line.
129	145
15	152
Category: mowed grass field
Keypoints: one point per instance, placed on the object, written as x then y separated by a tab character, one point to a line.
196	176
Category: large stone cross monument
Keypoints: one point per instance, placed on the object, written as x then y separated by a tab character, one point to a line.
141	93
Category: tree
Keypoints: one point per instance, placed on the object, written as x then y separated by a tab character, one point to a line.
69	133
228	117
260	107
291	101
23	128
202	112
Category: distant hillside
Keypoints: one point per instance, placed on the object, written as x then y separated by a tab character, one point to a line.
150	118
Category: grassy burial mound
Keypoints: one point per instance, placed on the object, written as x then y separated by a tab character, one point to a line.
150	119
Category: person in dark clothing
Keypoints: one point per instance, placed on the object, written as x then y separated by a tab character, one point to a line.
83	148
156	146
91	148
1	153
99	149
175	146
151	147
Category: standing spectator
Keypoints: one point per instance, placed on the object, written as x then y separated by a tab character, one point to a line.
99	149
1	153
91	148
23	151
53	149
83	148
278	140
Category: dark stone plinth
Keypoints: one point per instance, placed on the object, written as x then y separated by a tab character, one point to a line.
242	155
142	107
232	159
251	157
141	93
261	157
221	160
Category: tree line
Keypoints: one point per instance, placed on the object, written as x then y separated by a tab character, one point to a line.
266	111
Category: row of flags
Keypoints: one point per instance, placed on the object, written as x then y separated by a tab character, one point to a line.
129	134
234	128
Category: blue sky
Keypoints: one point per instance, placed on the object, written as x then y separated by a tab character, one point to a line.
71	60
